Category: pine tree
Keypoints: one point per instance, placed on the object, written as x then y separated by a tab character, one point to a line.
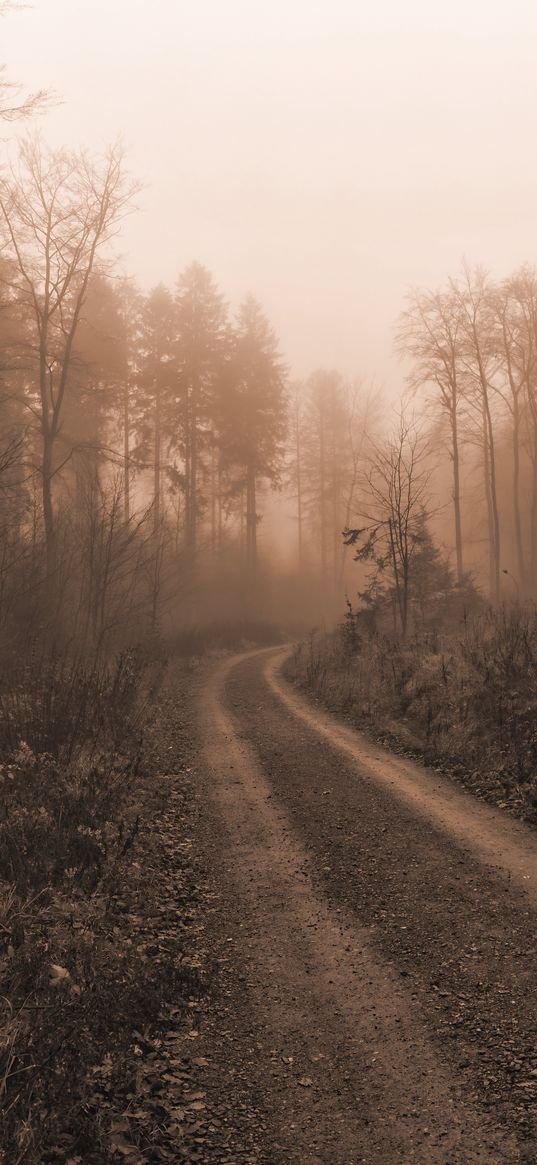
253	409
201	339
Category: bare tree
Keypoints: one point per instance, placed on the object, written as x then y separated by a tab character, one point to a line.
295	469
58	209
396	481
430	332
14	106
514	302
362	415
473	296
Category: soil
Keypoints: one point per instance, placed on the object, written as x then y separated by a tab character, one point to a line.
374	930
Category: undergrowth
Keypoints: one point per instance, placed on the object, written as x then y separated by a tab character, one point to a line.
72	985
464	697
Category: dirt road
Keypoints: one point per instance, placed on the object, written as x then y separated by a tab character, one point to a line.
382	939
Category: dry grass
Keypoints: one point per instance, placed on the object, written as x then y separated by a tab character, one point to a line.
465	698
73	985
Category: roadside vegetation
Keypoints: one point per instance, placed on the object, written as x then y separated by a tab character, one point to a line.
463	695
164	489
76	977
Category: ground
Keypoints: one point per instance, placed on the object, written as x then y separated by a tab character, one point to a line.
336	950
374	933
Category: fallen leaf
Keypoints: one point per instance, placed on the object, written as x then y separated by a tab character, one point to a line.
120	1145
58	975
120	1124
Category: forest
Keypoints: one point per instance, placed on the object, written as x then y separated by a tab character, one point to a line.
172	494
160	470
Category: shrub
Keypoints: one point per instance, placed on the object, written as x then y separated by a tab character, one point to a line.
465	695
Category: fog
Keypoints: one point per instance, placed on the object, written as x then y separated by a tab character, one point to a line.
326	156
268	314
268	542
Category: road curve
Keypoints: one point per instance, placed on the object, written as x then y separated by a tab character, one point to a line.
506	845
384	927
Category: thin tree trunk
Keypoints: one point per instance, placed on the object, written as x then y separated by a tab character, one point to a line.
490	466
457	492
533	549
251	521
220	508
188	476
488	499
322	494
406	587
157	467
126	455
298	452
494	504
48	509
241	531
521	568
192	513
213	493
396	574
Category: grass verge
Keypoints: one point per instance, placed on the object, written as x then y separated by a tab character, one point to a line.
464	699
97	967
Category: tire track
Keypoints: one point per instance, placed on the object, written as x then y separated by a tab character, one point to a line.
376	1089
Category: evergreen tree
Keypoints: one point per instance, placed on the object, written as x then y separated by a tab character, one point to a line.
201	340
156	385
253	411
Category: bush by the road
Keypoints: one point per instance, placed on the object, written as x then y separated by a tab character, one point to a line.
85	959
463	697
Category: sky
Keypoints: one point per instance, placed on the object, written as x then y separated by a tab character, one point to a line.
327	155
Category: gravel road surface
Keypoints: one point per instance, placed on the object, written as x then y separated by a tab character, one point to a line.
381	939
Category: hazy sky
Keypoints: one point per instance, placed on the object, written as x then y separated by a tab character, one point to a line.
326	154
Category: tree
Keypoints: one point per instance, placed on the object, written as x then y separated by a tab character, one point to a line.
125	336
252	412
58	209
12	106
156	385
514	303
295	468
324	453
362	417
201	339
473	298
397	481
430	332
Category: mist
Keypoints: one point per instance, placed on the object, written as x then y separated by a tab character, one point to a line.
268	582
292	149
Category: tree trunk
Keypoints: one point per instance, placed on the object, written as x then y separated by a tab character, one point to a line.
490	476
533	550
521	567
299	495
396	574
126	455
48	510
457	492
220	507
188	482
251	521
492	513
405	597
192	507
322	494
494	505
157	455
214	478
